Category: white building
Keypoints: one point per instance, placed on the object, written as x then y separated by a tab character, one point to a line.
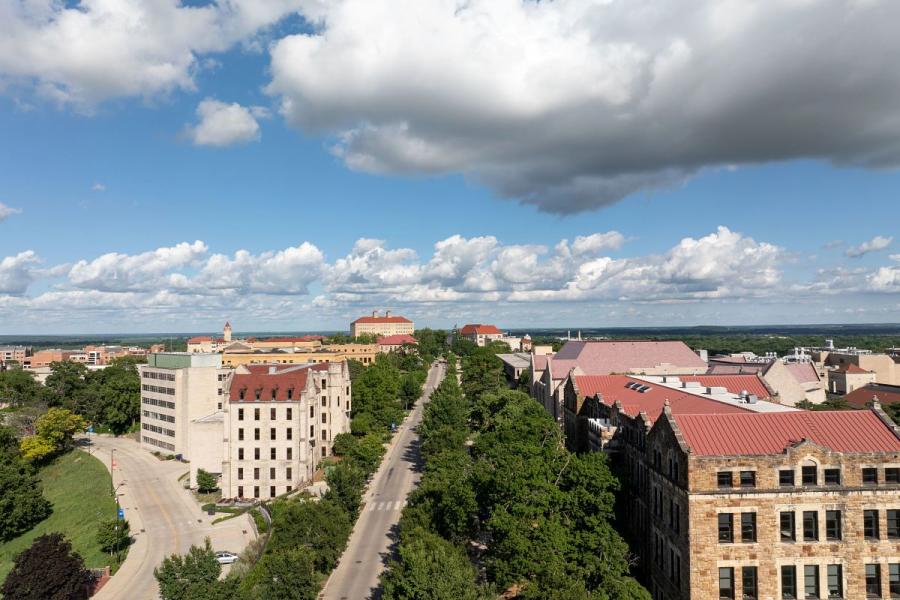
176	389
279	422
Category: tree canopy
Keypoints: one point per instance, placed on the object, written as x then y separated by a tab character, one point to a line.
48	570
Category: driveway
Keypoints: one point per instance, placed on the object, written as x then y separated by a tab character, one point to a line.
164	517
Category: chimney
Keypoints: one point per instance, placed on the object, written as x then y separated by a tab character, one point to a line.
374	313
387	313
272	370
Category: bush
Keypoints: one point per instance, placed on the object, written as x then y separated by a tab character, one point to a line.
206	482
262	526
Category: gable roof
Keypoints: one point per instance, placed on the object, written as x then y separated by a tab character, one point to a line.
371	319
614	388
478	328
614	356
267	378
290	340
199	339
886	394
735	384
803	372
772	433
853	369
397	340
738	369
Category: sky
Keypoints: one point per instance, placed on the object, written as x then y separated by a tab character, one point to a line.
290	165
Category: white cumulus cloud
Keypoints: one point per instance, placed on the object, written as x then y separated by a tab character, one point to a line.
17	272
573	105
879	242
7	211
223	124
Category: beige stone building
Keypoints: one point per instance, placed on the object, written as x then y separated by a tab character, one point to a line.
376	325
364	353
766	506
848	378
279	422
885	366
178	388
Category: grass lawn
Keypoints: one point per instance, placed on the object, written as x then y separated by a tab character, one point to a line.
78	487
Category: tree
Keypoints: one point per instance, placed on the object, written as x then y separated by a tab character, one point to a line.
321	527
410	390
286	575
114	535
344	443
48	570
36	449
367	452
194	576
66	383
206	482
59	426
429	568
22	505
345	486
18	387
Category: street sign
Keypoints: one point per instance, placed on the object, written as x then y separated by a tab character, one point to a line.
121	513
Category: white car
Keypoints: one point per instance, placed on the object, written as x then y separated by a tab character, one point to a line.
225	558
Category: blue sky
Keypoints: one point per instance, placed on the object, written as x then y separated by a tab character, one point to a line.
105	174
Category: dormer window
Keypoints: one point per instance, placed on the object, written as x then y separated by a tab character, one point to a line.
290	393
274	392
258	394
242	394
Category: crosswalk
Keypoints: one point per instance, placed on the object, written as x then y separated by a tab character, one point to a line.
390	505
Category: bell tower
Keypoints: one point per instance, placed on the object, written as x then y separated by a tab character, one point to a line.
226	332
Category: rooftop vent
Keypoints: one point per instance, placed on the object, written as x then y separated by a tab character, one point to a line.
643	389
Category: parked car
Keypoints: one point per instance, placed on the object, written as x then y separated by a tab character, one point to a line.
225	558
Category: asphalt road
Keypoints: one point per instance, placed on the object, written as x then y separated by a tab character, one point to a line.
369	547
164	518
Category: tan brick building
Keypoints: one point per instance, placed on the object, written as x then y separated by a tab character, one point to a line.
376	325
767	506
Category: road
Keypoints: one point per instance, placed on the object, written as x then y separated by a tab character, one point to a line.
369	547
164	518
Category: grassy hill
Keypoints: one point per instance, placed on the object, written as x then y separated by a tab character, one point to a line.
78	487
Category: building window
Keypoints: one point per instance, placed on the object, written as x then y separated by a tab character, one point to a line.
256	491
256	410
835	581
810	526
312	411
256	454
726	528
240	414
271	472
726	583
786	478
272	491
273	454
893	524
832	477
870	524
312	431
274	392
870	476
240	433
833	525
810	475
290	394
748	479
873	581
788	527
240	491
256	433
255	472
324	451
240	455
789	582
324	434
290	411
289	434
289	473
324	400
242	394
750	583
891	475
894	580
240	473
324	418
748	527
290	451
811	581
257	396
272	413
724	479
271	433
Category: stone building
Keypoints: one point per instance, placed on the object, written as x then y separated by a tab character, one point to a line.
480	334
376	325
849	377
755	506
279	422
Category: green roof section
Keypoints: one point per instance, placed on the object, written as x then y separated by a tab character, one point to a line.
183	360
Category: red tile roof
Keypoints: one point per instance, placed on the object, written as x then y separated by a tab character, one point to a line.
744	369
382	320
606	357
397	340
852	369
266	378
735	384
199	339
613	388
290	340
773	433
473	328
886	394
